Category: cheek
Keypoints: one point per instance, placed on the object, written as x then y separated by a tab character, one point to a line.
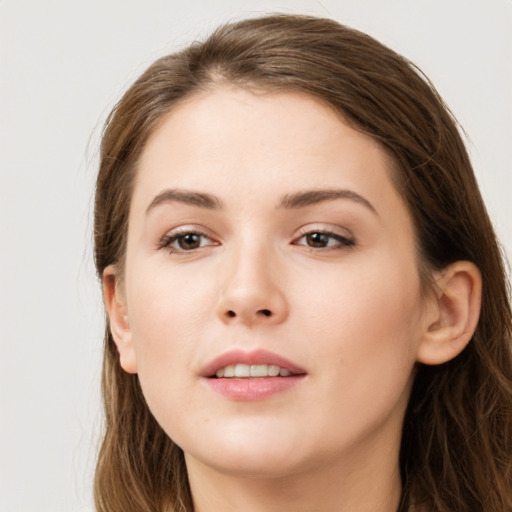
167	313
369	299
366	331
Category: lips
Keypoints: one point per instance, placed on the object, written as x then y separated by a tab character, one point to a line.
251	375
245	363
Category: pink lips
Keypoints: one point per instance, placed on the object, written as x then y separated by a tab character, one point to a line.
251	389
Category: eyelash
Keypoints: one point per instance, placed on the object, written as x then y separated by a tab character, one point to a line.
343	242
167	241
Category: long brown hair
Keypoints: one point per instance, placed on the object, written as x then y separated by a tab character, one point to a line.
456	452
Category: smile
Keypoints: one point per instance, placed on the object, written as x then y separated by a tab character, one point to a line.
257	375
260	363
244	371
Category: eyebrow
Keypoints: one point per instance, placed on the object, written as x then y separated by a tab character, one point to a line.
199	199
296	200
310	197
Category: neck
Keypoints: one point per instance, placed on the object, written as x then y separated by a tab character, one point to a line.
361	486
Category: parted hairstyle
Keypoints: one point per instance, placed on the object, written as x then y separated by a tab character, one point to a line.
456	450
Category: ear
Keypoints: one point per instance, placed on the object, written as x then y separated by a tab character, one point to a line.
114	300
454	315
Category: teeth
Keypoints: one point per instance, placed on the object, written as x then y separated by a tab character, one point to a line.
242	371
273	371
229	371
258	370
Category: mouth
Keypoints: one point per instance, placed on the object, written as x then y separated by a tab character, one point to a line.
247	371
252	376
258	364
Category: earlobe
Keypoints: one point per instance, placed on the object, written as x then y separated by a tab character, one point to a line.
454	314
118	319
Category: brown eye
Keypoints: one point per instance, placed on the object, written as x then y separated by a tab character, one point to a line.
324	240
185	241
317	239
189	241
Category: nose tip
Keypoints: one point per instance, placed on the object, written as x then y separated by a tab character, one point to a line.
251	303
252	285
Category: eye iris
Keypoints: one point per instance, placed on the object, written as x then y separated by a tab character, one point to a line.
189	241
317	239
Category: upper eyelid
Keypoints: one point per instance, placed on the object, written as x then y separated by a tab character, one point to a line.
329	229
343	239
191	228
326	232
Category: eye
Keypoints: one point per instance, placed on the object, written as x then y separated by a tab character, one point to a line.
324	239
186	241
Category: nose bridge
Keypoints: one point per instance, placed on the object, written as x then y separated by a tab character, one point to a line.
252	288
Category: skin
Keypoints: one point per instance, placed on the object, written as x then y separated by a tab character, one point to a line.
352	313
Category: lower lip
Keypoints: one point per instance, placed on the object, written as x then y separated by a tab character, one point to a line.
247	390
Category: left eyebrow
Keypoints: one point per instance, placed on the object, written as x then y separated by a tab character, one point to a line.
309	197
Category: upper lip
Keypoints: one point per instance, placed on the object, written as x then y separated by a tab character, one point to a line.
259	356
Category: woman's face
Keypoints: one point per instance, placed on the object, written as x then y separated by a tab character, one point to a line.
264	231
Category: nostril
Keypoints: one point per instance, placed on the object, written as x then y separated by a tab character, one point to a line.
263	312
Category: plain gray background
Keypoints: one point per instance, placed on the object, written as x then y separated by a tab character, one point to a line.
63	65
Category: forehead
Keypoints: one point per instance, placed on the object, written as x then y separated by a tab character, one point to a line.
257	139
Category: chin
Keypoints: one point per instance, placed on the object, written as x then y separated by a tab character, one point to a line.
256	466
255	454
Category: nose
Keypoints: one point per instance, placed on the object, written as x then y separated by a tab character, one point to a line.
252	293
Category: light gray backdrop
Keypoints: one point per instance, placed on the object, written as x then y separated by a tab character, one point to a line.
63	65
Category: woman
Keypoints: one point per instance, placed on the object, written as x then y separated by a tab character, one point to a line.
307	305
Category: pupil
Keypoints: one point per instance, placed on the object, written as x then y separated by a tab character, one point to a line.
189	241
317	240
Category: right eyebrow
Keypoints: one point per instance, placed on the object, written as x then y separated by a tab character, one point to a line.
199	199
